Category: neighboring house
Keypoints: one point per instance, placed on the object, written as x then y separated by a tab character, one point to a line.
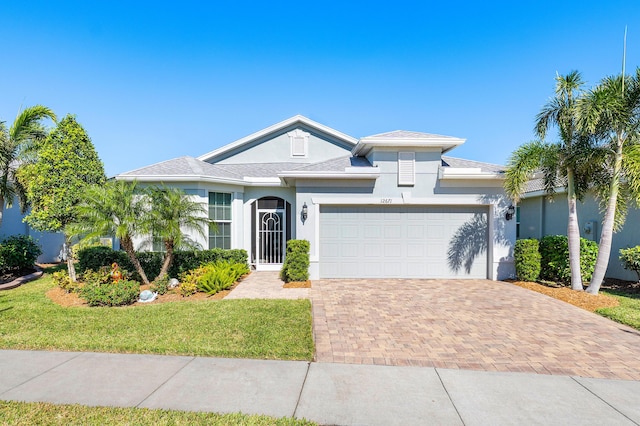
50	242
538	215
388	205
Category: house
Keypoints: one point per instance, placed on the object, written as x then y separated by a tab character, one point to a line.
13	224
387	205
539	215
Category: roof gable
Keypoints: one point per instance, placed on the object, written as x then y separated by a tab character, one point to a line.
290	124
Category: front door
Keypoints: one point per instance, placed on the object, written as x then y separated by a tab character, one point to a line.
270	238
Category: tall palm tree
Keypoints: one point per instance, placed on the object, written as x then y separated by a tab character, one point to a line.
117	208
611	111
16	144
172	214
557	162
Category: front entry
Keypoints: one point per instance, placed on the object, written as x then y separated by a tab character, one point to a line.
271	231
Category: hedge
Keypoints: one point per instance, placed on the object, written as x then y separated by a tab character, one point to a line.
96	257
527	259
630	258
296	262
554	251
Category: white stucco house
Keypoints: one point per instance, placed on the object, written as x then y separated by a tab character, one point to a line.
387	205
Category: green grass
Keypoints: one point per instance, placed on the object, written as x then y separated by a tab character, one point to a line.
264	329
38	413
628	312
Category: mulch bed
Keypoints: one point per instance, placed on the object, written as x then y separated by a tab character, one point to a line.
62	298
298	284
583	299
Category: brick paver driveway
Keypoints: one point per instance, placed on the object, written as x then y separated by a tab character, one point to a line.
467	324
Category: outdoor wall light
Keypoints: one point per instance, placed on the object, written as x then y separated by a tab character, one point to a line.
510	212
304	213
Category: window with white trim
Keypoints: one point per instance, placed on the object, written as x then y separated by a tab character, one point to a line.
299	140
220	214
406	168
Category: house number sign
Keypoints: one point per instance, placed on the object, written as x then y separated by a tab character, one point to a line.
386	200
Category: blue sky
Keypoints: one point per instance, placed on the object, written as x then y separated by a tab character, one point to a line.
151	81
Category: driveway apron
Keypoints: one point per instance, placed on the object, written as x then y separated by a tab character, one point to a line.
467	324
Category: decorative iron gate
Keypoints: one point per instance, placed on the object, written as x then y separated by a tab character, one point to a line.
270	236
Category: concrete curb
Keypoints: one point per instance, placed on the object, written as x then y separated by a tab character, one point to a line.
22	280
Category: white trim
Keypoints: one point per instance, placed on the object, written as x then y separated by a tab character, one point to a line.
316	218
445	143
365	174
247	181
490	230
453	200
463	173
274	128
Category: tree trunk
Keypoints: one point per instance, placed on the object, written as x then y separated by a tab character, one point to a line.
168	260
573	234
71	267
127	244
604	248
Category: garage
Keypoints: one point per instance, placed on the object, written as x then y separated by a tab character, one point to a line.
403	241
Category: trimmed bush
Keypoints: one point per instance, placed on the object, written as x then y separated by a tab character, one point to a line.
62	280
630	258
97	293
296	262
527	258
18	252
554	251
160	286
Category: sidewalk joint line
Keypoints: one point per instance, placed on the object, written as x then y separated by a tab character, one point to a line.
163	383
45	371
306	374
448	395
603	400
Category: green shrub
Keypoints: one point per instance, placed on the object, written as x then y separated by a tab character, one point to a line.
216	277
527	259
296	262
18	252
554	251
160	286
97	257
187	288
62	280
98	293
630	258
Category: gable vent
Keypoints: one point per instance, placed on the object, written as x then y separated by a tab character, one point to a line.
299	140
406	168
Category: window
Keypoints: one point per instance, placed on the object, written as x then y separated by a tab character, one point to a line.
299	140
220	214
518	222
406	168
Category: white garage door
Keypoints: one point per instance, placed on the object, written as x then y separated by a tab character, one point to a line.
403	241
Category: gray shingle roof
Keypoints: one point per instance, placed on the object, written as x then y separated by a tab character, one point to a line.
184	166
461	163
335	164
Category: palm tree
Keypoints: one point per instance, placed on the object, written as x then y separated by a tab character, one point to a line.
117	208
611	111
557	162
16	144
172	213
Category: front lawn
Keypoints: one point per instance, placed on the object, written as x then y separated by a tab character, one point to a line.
39	413
264	329
628	312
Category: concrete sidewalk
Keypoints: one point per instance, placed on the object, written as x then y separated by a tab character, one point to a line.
343	394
